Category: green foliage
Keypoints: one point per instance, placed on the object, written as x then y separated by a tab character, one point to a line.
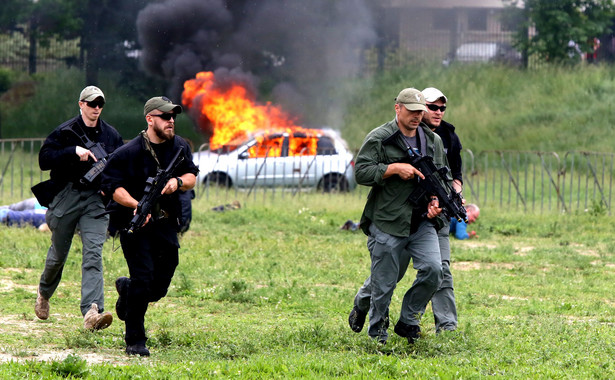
557	23
598	207
72	366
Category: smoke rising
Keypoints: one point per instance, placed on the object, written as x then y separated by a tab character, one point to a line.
292	51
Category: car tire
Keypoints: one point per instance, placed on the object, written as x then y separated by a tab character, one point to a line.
334	183
218	179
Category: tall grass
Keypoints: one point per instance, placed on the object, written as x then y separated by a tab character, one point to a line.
493	107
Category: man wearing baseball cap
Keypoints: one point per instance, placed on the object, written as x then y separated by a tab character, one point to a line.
151	250
396	230
443	301
74	152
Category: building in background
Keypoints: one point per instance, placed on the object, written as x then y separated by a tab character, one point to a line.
434	30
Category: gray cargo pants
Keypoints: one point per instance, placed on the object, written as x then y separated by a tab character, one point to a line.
390	256
69	210
443	301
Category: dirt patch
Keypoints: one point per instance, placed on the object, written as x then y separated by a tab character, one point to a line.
13	325
508	298
584	251
474	265
523	251
57	356
479	244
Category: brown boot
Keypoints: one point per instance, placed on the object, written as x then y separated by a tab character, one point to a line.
93	320
41	309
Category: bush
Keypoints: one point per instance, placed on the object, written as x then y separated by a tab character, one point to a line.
6	78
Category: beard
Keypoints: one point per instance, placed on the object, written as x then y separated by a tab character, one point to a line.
164	134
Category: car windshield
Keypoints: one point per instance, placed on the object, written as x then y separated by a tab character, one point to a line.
232	145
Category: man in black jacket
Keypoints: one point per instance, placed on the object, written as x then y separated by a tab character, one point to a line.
443	301
76	203
151	250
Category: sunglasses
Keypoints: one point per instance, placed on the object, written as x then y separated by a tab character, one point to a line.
166	116
95	103
434	107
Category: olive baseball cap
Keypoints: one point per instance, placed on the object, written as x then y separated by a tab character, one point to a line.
412	99
161	103
432	94
90	93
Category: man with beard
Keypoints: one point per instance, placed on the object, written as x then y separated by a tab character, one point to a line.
443	301
398	230
151	250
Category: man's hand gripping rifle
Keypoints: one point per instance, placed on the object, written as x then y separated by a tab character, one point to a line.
449	199
101	161
153	191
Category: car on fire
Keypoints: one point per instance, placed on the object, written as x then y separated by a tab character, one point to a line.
308	158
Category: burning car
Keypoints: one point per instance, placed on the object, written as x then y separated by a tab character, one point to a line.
300	158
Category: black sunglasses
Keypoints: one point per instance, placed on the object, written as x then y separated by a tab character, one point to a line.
434	107
166	116
95	103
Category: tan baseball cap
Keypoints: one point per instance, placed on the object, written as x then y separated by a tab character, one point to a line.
412	99
161	103
90	93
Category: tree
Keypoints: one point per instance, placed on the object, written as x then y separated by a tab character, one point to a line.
563	29
107	26
102	27
39	21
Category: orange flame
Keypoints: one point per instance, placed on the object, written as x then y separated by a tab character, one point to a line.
232	114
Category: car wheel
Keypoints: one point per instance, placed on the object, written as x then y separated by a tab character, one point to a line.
218	179
334	182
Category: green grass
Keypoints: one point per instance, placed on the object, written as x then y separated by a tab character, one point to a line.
265	291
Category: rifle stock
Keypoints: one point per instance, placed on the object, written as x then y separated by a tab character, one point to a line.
153	191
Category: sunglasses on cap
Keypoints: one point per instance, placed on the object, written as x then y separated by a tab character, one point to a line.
95	103
166	116
435	107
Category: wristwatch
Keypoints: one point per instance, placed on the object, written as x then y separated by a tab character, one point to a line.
180	183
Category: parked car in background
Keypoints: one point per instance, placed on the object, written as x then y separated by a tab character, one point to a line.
318	159
499	52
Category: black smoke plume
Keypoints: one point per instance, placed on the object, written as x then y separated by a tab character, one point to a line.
293	51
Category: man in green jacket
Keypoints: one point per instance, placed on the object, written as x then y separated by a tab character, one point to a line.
398	230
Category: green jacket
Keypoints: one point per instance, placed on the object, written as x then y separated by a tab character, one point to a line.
387	206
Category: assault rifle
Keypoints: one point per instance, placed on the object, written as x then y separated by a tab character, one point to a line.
153	191
435	183
101	156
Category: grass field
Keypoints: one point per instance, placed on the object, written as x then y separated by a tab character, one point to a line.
265	292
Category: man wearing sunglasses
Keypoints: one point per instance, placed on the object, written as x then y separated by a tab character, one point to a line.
151	250
443	301
398	230
74	204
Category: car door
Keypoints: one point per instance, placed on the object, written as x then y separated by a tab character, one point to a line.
302	160
258	164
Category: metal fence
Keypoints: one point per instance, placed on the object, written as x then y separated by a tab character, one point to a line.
540	181
575	181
